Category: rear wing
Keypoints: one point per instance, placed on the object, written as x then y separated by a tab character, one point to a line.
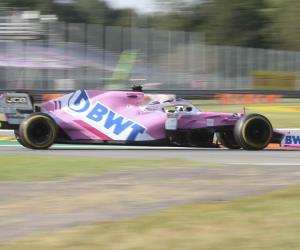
14	107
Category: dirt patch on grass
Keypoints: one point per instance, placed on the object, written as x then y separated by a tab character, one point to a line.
35	207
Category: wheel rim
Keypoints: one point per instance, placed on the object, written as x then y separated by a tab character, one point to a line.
40	132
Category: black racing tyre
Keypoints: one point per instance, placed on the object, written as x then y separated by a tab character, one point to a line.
17	135
253	132
37	131
226	138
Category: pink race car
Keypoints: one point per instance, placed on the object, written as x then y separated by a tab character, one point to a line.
126	117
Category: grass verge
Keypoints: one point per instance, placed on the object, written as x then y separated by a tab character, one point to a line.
266	222
28	167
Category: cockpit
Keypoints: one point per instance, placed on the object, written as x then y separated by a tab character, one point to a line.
178	106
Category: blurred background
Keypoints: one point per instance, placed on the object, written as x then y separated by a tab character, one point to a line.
232	52
170	44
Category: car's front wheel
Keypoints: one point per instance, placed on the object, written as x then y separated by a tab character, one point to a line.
253	132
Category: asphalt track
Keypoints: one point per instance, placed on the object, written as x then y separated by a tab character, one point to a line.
269	157
37	207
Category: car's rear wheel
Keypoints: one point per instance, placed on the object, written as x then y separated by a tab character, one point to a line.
37	131
253	132
226	138
17	135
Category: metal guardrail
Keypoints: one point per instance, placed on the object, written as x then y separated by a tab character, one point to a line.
18	30
210	94
79	55
186	94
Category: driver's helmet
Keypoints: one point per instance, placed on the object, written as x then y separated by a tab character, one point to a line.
180	108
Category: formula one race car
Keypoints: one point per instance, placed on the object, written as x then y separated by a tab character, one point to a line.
123	117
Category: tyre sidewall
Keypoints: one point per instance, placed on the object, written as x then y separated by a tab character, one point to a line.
19	140
25	138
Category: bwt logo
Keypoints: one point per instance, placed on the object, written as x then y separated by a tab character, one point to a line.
292	140
104	116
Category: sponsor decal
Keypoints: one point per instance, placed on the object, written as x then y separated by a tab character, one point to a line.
292	140
103	118
210	122
16	100
79	101
171	123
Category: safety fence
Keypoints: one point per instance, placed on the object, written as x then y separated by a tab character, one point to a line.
223	96
93	56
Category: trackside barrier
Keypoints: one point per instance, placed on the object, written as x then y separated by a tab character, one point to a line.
248	98
190	94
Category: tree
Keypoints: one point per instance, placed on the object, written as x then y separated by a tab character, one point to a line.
285	28
92	11
230	22
236	22
178	15
87	11
44	6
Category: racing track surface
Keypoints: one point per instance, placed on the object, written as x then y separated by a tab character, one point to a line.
241	157
31	207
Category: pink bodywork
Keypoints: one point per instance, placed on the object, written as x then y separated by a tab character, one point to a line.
123	116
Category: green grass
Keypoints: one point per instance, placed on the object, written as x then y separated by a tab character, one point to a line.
267	222
29	167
